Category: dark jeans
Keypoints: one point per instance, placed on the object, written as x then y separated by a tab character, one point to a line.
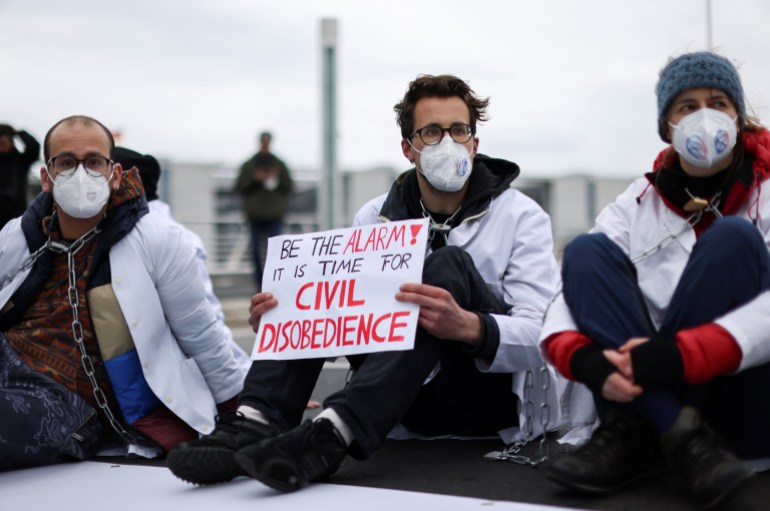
260	232
41	422
728	267
388	386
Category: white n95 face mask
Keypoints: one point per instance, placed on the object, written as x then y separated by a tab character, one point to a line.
79	194
705	137
446	165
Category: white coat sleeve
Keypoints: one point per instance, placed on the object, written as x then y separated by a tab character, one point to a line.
191	318
529	283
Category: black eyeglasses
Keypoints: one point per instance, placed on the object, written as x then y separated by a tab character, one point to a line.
65	164
433	133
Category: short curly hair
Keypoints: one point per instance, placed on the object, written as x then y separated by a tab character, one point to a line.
438	86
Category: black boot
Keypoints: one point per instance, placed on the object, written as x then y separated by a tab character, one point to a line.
211	459
621	451
288	462
695	451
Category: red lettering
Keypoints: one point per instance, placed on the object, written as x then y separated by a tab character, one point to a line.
375	336
328	340
267	329
352	302
397	234
299	294
306	325
346	328
330	296
353	242
317	332
394	324
364	329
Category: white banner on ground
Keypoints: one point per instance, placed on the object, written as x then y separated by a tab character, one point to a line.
336	291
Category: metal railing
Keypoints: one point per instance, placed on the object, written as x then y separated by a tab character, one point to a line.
228	242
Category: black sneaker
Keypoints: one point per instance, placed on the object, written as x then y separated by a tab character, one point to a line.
288	462
695	451
622	450
211	458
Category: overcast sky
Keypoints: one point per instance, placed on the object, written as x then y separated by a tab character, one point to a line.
571	82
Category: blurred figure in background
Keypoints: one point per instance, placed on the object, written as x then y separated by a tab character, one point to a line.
14	167
264	184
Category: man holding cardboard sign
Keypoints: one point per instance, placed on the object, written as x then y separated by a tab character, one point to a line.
486	282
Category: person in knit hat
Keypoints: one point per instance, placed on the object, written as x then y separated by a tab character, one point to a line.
663	313
149	171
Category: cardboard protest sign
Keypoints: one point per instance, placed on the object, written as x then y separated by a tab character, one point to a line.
336	291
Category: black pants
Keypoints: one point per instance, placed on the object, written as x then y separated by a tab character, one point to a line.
41	422
388	387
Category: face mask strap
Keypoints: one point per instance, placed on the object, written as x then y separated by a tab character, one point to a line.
413	147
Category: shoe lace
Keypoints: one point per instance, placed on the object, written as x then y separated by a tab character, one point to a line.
317	441
228	422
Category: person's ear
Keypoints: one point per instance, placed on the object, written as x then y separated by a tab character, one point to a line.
117	175
407	150
45	180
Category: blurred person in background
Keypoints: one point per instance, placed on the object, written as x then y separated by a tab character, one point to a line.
14	169
264	184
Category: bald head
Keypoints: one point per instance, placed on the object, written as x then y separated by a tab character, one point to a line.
75	121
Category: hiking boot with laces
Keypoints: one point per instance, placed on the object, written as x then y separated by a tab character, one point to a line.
211	458
288	462
622	450
695	451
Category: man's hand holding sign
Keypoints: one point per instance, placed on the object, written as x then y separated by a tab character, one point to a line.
333	293
440	314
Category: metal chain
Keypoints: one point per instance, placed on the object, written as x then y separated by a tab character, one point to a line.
663	243
7	279
77	327
511	453
434	227
545	412
689	223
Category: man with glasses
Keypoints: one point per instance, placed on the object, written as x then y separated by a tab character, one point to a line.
106	335
487	280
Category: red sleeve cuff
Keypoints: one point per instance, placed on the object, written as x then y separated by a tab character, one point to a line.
561	346
707	352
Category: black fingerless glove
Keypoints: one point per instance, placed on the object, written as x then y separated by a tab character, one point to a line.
657	363
590	366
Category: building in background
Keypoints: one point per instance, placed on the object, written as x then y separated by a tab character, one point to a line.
201	197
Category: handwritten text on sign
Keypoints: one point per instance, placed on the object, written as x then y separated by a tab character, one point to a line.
336	291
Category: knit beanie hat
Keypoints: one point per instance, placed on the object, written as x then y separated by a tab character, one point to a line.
693	70
149	168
